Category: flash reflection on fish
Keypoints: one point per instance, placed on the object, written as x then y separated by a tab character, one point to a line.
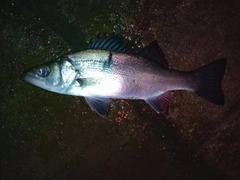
107	68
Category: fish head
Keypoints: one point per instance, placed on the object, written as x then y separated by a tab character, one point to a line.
55	76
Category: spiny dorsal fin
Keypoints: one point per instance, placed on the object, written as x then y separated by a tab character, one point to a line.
111	43
154	53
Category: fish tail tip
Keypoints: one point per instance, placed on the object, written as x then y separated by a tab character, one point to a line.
210	77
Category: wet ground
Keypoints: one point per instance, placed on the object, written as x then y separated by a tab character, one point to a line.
45	135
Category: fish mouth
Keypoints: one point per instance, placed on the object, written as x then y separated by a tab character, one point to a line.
23	77
31	78
27	76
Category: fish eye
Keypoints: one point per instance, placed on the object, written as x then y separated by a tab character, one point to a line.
43	71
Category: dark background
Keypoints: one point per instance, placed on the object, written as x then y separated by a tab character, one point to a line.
44	135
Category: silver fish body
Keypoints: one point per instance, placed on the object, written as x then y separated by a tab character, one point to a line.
99	73
124	76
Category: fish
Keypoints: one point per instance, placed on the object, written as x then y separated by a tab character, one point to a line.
108	68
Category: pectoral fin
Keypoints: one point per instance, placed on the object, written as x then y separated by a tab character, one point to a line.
99	105
160	103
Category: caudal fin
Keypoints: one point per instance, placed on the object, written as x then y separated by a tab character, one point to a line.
209	81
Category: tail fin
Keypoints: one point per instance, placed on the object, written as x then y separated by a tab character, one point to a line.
209	81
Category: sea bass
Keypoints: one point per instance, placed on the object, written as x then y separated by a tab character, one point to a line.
107	68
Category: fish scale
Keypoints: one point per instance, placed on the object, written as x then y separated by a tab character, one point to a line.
109	69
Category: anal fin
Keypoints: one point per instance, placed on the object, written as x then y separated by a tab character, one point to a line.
160	103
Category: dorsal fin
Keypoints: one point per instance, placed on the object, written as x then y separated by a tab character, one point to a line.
154	53
111	43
